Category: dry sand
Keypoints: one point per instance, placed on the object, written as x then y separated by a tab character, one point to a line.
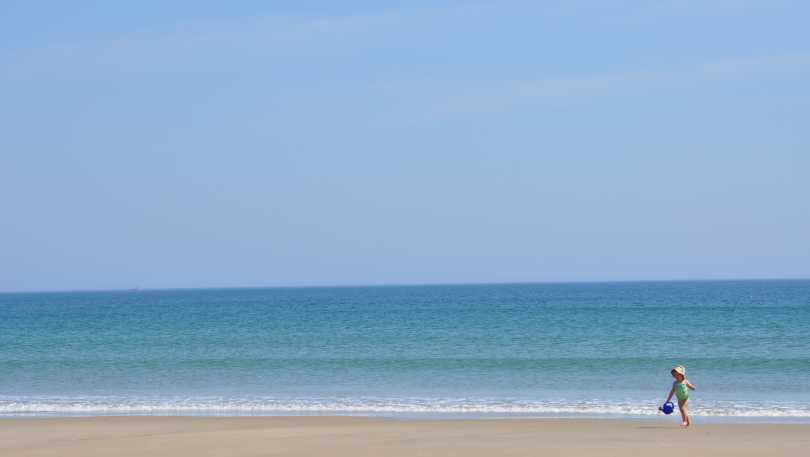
342	436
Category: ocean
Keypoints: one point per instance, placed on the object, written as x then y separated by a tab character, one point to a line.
510	350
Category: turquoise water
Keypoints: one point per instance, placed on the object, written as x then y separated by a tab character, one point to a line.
545	350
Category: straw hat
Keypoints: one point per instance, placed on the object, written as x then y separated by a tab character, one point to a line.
680	369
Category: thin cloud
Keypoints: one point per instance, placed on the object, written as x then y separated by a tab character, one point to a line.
164	49
454	98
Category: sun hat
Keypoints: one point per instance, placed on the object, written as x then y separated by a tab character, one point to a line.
680	369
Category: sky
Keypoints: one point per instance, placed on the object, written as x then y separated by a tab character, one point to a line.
159	144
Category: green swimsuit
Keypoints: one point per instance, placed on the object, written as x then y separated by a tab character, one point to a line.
681	391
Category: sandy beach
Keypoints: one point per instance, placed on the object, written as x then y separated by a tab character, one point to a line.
341	436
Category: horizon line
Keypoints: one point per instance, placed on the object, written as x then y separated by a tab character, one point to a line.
404	284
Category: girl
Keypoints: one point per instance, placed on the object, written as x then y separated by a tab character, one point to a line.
680	388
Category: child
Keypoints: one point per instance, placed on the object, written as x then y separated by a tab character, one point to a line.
680	389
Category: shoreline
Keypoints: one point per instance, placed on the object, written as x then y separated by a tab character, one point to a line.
351	436
427	417
401	407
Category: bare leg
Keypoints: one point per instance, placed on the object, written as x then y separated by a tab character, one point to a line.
684	407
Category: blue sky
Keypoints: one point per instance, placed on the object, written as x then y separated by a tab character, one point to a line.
203	144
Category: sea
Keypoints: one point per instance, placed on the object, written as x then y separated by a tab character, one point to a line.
567	350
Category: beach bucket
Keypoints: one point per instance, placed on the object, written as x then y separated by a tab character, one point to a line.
667	408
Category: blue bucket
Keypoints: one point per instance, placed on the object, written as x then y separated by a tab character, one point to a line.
667	408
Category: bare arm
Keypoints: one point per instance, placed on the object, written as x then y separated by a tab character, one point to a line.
690	385
671	393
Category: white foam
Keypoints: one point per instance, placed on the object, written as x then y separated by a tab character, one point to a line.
380	406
